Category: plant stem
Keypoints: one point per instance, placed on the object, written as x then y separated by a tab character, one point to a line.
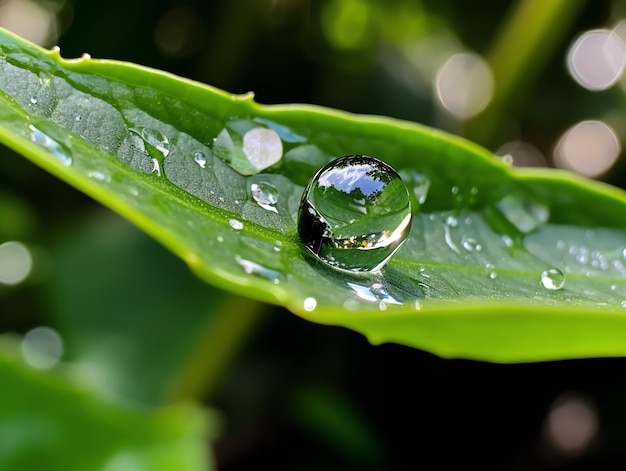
217	346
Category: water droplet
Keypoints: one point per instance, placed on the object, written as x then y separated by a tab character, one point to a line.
278	246
525	214
552	279
220	239
265	194
101	177
55	148
471	245
155	138
493	275
33	100
454	190
236	224
613	287
253	268
200	159
310	304
262	147
367	192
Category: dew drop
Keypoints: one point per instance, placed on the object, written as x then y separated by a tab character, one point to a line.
155	138
236	224
55	148
265	194
253	268
33	100
552	279
262	147
310	304
493	275
200	159
97	175
355	213
471	245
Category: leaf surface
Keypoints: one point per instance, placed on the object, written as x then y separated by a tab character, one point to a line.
161	151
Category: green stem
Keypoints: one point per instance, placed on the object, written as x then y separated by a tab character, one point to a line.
218	344
522	47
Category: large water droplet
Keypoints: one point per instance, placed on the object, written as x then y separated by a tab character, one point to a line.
355	213
55	148
265	194
552	279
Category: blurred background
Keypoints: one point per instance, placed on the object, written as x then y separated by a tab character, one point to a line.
539	83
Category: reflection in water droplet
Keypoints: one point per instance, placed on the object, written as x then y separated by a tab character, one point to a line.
310	304
55	148
236	224
42	347
156	167
419	183
552	279
265	194
200	159
374	293
355	213
253	268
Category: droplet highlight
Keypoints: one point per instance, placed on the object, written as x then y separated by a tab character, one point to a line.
355	214
265	195
552	279
236	224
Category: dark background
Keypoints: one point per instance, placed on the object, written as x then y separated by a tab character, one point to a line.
298	395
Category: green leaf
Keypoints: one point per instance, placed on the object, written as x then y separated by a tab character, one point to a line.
467	283
50	421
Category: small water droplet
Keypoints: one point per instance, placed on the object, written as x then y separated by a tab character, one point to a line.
96	175
507	240
236	224
262	147
265	194
310	304
471	245
552	279
613	287
493	275
200	159
85	56
359	188
253	268
278	246
454	190
77	118
33	100
55	148
220	239
155	138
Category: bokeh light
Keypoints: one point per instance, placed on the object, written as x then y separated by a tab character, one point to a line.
30	20
464	85
589	148
521	154
42	347
346	23
15	262
596	59
571	425
180	32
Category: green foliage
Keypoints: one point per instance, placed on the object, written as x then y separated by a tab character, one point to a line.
56	419
466	284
